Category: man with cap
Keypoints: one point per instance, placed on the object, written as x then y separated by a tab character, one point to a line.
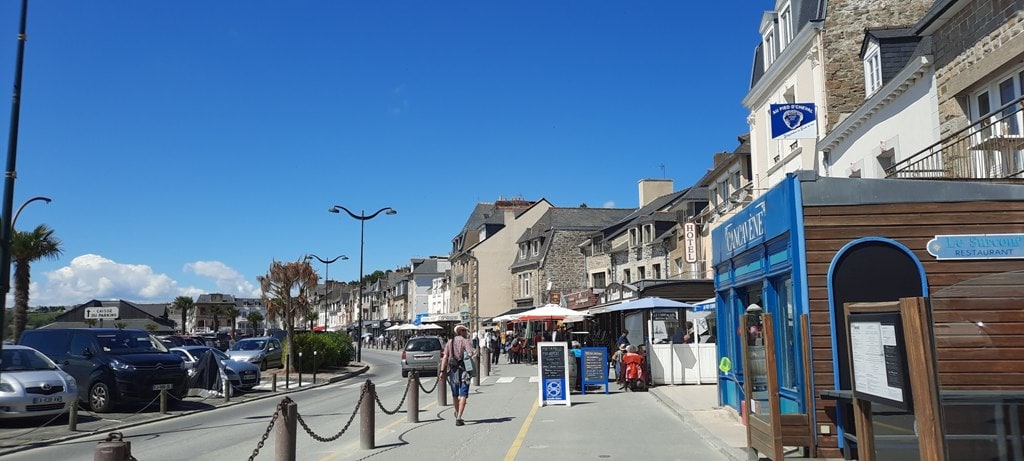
455	372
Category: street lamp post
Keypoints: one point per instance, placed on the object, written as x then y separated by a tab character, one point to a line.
327	273
362	217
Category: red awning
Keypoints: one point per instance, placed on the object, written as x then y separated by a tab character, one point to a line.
319	328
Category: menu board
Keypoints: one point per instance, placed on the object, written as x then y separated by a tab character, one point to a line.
878	352
553	369
594	361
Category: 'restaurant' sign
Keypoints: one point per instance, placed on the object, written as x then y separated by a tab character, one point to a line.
977	246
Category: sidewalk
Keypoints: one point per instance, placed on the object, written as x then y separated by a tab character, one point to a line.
697	406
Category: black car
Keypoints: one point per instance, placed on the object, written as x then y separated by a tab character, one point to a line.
111	365
219	340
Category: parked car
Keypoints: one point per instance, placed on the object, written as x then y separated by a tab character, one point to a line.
112	366
32	385
178	341
264	351
221	341
421	354
243	375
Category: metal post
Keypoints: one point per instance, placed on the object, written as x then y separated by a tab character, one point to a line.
273	383
366	417
314	367
413	397
73	416
300	370
287	371
284	438
442	391
227	390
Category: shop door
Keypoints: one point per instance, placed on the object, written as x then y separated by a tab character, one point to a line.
761	385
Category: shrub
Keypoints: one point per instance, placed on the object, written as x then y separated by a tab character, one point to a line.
333	349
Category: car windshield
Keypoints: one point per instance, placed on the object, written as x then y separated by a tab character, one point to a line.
25	360
129	342
254	345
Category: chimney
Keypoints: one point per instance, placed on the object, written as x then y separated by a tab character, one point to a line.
651	189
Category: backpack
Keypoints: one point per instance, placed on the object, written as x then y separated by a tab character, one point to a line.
454	364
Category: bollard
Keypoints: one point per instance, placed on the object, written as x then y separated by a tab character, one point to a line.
412	411
366	417
113	449
273	382
476	368
73	416
314	367
163	401
287	373
284	439
485	359
227	390
299	382
442	391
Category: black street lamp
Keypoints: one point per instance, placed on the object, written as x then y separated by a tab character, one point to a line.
362	217
327	269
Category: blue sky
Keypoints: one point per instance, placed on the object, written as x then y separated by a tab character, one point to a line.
188	144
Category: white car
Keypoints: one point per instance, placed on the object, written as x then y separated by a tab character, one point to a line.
31	385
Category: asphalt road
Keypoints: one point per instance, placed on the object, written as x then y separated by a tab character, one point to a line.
503	421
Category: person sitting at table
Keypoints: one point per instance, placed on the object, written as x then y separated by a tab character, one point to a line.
633	369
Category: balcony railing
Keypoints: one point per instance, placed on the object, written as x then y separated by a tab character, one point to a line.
990	149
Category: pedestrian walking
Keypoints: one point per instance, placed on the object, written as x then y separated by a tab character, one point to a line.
453	368
495	346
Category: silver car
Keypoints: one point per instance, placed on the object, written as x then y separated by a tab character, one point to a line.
264	351
421	354
243	375
32	385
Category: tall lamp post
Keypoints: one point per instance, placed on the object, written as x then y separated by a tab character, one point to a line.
327	273
362	217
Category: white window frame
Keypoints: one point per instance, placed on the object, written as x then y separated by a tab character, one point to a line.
768	40
632	237
524	285
522	250
994	96
536	247
872	69
785	26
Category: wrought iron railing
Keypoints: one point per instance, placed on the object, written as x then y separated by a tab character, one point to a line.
990	149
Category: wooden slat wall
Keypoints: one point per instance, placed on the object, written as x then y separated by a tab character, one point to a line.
963	363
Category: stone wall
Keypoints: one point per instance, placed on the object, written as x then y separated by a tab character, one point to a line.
564	263
983	39
843	33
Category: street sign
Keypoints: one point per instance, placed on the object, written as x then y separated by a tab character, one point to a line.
101	312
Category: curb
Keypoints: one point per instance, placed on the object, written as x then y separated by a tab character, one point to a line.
27	446
731	452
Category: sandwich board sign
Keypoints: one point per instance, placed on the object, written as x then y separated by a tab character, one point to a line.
553	366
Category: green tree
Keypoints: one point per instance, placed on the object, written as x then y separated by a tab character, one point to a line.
184	304
120	325
215	311
26	248
285	290
151	327
311	318
232	313
254	319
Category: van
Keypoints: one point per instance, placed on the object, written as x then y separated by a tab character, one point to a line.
112	366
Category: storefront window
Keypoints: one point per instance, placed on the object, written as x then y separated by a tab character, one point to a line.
786	332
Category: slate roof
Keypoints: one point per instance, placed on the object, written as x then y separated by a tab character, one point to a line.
804	12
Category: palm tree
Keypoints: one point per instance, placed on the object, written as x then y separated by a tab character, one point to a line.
26	248
311	318
285	290
184	304
215	311
254	319
232	313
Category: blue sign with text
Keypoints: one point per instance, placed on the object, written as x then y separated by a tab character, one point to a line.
977	246
793	121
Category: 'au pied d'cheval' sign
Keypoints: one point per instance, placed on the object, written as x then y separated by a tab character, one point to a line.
793	121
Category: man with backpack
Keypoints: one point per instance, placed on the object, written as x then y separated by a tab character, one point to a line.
456	353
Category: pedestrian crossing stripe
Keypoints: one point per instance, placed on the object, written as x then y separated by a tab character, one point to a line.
506	379
535	379
387	383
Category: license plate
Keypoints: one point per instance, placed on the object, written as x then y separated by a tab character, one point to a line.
163	387
56	399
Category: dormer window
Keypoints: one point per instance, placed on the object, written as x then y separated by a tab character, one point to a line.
785	26
632	237
769	47
522	251
872	69
536	247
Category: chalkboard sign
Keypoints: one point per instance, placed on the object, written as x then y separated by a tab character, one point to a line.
595	367
553	369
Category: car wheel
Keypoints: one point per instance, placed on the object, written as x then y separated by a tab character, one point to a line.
99	398
405	373
263	365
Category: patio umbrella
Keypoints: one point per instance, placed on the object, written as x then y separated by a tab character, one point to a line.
430	326
549	312
395	327
505	318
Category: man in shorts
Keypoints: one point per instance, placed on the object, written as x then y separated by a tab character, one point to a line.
454	371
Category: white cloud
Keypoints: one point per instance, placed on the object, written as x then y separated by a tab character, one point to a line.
609	204
227	279
95	277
